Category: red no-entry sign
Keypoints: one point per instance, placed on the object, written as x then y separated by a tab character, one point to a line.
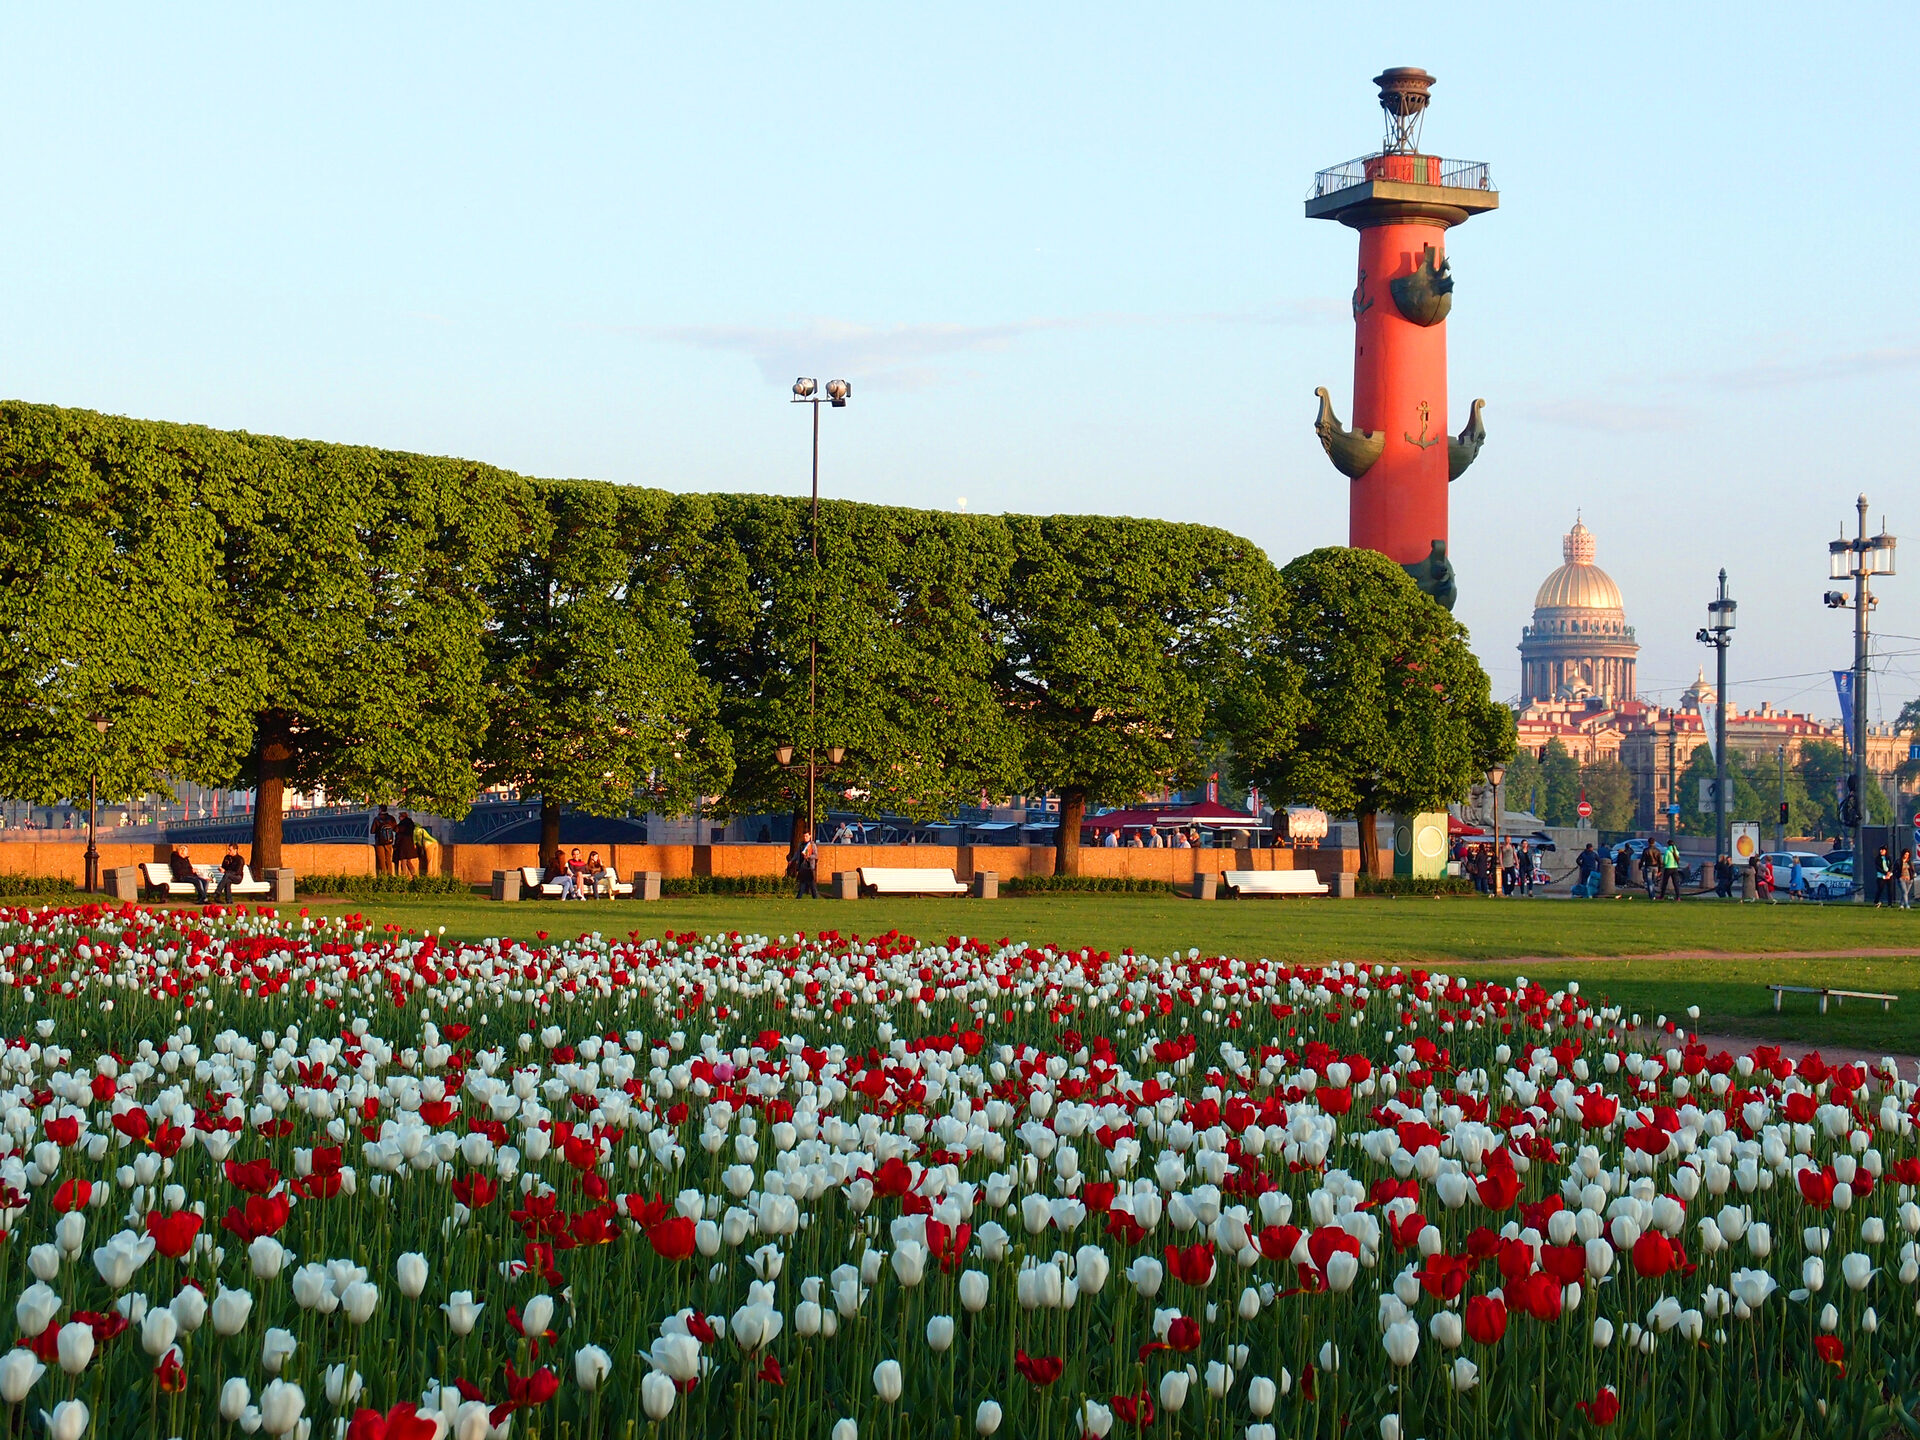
1585	808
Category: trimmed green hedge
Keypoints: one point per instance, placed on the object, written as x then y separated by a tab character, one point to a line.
354	886
35	885
1086	885
1408	885
730	885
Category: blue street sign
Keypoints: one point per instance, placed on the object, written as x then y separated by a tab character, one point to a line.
1673	809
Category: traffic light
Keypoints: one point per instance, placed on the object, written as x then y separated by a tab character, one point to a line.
1783	812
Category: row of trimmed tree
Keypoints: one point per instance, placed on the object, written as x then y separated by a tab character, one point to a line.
255	611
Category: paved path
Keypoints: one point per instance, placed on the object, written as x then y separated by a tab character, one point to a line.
1904	953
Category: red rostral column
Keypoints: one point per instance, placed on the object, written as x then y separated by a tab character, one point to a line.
1398	456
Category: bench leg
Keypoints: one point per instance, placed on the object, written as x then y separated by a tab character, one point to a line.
1823	1002
1776	1001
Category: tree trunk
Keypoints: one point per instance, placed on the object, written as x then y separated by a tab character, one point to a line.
273	759
549	830
1368	822
1066	844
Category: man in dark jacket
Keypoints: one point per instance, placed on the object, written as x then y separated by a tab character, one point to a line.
180	866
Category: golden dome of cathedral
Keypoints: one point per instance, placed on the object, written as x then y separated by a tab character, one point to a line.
1579	584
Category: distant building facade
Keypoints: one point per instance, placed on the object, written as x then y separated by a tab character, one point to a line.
1579	645
1577	662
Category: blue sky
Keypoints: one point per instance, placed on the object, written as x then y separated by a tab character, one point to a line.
1058	250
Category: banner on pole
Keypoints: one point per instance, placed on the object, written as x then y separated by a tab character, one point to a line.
1843	686
1710	718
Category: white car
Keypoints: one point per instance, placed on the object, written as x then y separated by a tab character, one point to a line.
1811	865
1835	882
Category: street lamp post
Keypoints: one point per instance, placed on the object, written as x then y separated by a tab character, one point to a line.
1495	774
784	755
807	392
1718	633
1673	799
1780	823
1856	560
102	725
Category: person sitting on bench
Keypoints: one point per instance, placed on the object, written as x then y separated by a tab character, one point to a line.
233	869
180	866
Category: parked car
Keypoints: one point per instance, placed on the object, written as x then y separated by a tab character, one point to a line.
1833	883
1782	862
1834	857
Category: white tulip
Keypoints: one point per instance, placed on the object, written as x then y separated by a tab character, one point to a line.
1465	1375
189	1309
37	1306
276	1350
230	1310
1095	1419
1857	1270
986	1419
845	1430
1173	1390
973	1291
1813	1273
887	1380
410	1274
940	1333
1261	1395
591	1365
280	1406
265	1256
1219	1379
1091	1266
75	1344
1342	1270
462	1314
1402	1342
157	1330
656	1395
361	1299
1446	1328
19	1371
68	1420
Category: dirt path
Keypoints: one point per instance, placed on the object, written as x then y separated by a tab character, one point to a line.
1904	953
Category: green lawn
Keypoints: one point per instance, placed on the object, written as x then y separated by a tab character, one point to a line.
1504	936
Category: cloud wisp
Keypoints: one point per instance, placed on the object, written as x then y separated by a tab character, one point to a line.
910	355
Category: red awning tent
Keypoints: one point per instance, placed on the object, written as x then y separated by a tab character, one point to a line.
1206	814
1457	826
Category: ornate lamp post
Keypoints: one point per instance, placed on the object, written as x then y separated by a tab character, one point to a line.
784	754
1718	633
102	725
807	391
1496	774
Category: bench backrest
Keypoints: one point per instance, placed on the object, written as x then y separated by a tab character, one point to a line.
1276	881
530	876
917	875
157	873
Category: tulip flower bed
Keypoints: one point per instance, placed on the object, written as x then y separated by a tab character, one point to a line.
297	1177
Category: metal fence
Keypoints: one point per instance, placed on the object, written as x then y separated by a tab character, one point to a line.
1456	174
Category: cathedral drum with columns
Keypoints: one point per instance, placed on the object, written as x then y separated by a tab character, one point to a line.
1579	645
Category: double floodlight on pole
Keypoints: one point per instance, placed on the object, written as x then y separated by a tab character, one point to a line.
1495	774
806	391
1718	633
101	724
1857	560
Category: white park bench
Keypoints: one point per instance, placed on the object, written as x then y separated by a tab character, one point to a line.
1825	991
531	884
1274	882
160	881
911	882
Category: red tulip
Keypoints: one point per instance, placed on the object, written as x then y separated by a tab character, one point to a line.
65	1131
1183	1334
170	1375
672	1239
1328	1241
402	1422
173	1234
1041	1370
72	1195
1816	1187
1603	1409
1486	1319
255	1176
1277	1242
770	1372
1829	1349
1652	1255
1565	1263
1194	1265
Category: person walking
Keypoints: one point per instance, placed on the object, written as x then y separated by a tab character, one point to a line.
1882	879
1649	868
804	866
405	852
383	829
1723	877
1670	870
1796	879
1903	880
1524	868
1509	868
1622	872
